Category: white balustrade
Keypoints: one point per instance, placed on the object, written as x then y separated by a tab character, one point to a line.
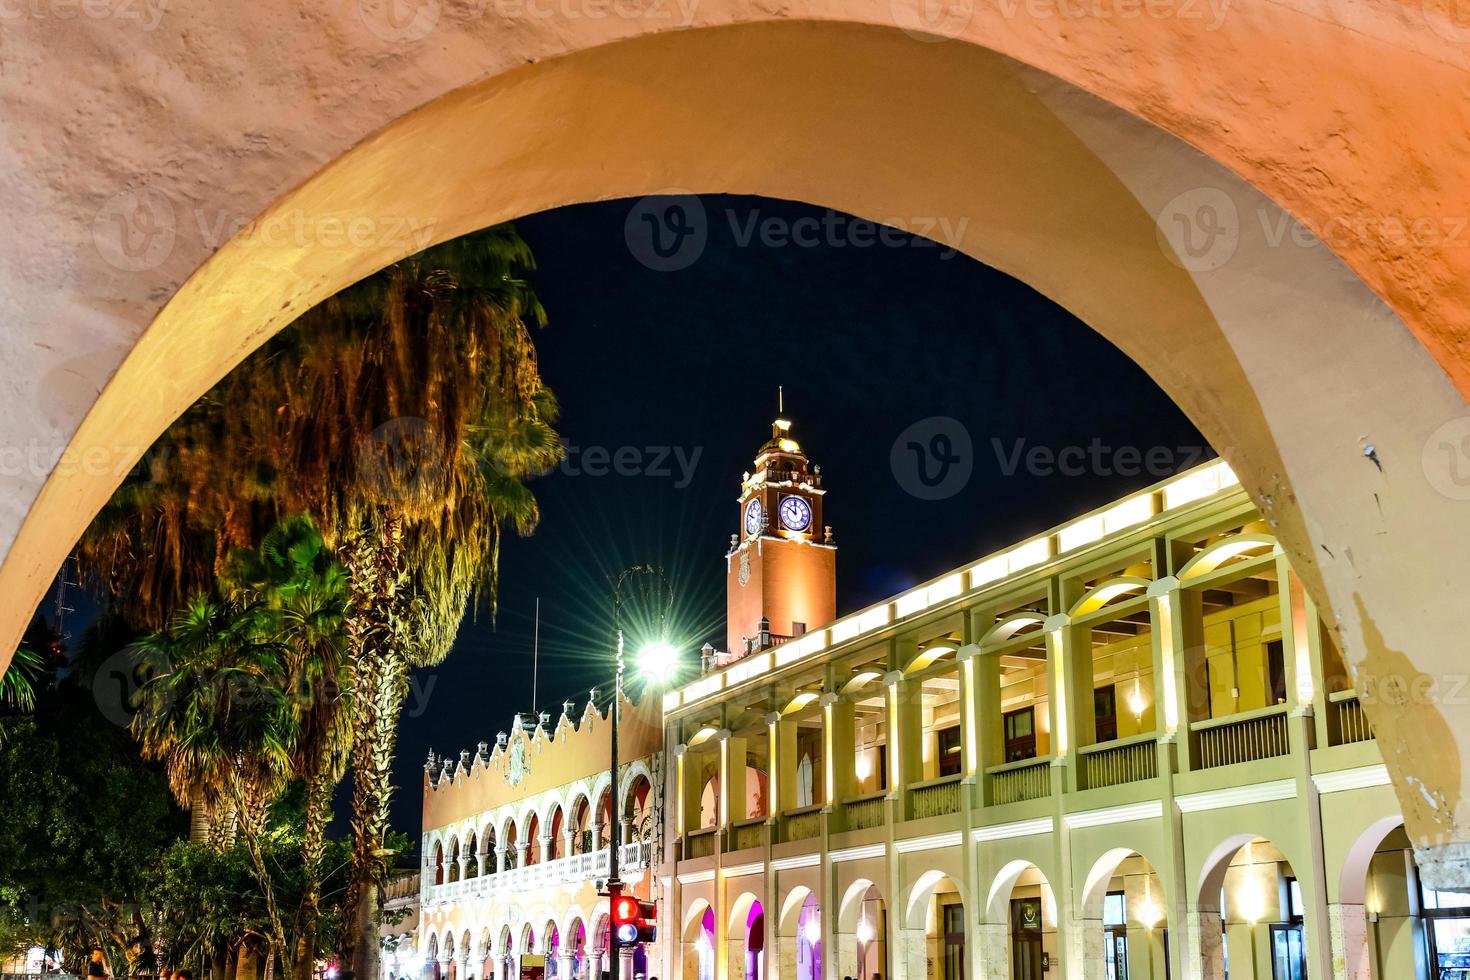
573	869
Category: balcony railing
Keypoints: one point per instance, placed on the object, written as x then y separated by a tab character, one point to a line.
568	870
1247	737
700	843
803	823
935	797
1014	782
1350	722
402	889
748	833
867	811
1118	762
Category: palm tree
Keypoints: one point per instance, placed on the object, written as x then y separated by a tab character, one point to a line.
211	709
18	682
404	415
298	579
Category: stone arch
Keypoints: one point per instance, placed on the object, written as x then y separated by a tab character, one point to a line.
1245	869
745	937
1091	928
1118	139
1212	871
791	908
924	888
1352	880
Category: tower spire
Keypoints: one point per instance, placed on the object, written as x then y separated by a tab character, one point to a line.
780	399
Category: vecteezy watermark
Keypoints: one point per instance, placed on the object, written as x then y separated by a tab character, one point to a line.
399	21
1097	458
1202	229
40	459
1450	19
657	462
1446	459
669	231
147	13
402	459
1199	229
136	230
932	20
933	458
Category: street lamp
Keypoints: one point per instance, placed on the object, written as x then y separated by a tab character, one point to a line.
657	662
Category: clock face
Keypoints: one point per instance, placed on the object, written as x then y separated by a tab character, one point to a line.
754	515
796	513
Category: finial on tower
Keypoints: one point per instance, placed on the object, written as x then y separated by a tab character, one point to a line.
780	399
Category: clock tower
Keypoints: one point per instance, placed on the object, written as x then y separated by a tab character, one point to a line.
781	570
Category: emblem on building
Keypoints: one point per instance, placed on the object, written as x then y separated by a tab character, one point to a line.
516	767
744	567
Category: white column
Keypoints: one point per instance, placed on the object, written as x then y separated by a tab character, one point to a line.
625	956
992	950
566	963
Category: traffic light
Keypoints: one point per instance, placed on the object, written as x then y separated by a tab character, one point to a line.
633	921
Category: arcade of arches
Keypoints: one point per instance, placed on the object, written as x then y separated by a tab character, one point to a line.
1290	343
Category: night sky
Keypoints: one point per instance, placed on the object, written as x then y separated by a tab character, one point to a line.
681	363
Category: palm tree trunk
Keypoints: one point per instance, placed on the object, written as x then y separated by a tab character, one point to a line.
375	622
313	842
251	805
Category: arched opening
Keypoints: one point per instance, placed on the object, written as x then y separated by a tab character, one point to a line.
551	949
1391	925
745	939
533	840
451	962
487	954
1023	904
1255	915
582	826
801	940
935	931
431	957
697	944
471	856
486	854
466	955
524	945
557	828
454	859
638	809
605	820
1070	136
576	946
861	944
598	949
1124	913
505	953
510	856
438	862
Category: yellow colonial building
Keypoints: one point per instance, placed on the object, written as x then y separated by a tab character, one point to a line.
1124	749
516	843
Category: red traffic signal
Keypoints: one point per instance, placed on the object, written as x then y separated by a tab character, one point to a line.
633	921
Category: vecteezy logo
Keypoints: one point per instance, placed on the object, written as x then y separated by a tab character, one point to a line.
134	230
1446	459
932	20
399	21
667	232
400	459
1199	230
118	679
933	458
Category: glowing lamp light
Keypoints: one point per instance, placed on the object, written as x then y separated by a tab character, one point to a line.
702	943
863	767
812	931
864	931
1149	915
1135	700
658	662
1253	905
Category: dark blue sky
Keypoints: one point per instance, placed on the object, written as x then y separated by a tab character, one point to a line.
673	372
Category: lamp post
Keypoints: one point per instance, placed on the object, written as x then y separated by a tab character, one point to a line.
657	661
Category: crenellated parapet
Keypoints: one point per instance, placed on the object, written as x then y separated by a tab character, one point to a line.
536	759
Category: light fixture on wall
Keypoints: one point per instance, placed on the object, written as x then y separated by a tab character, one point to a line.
812	931
864	931
863	767
1135	700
